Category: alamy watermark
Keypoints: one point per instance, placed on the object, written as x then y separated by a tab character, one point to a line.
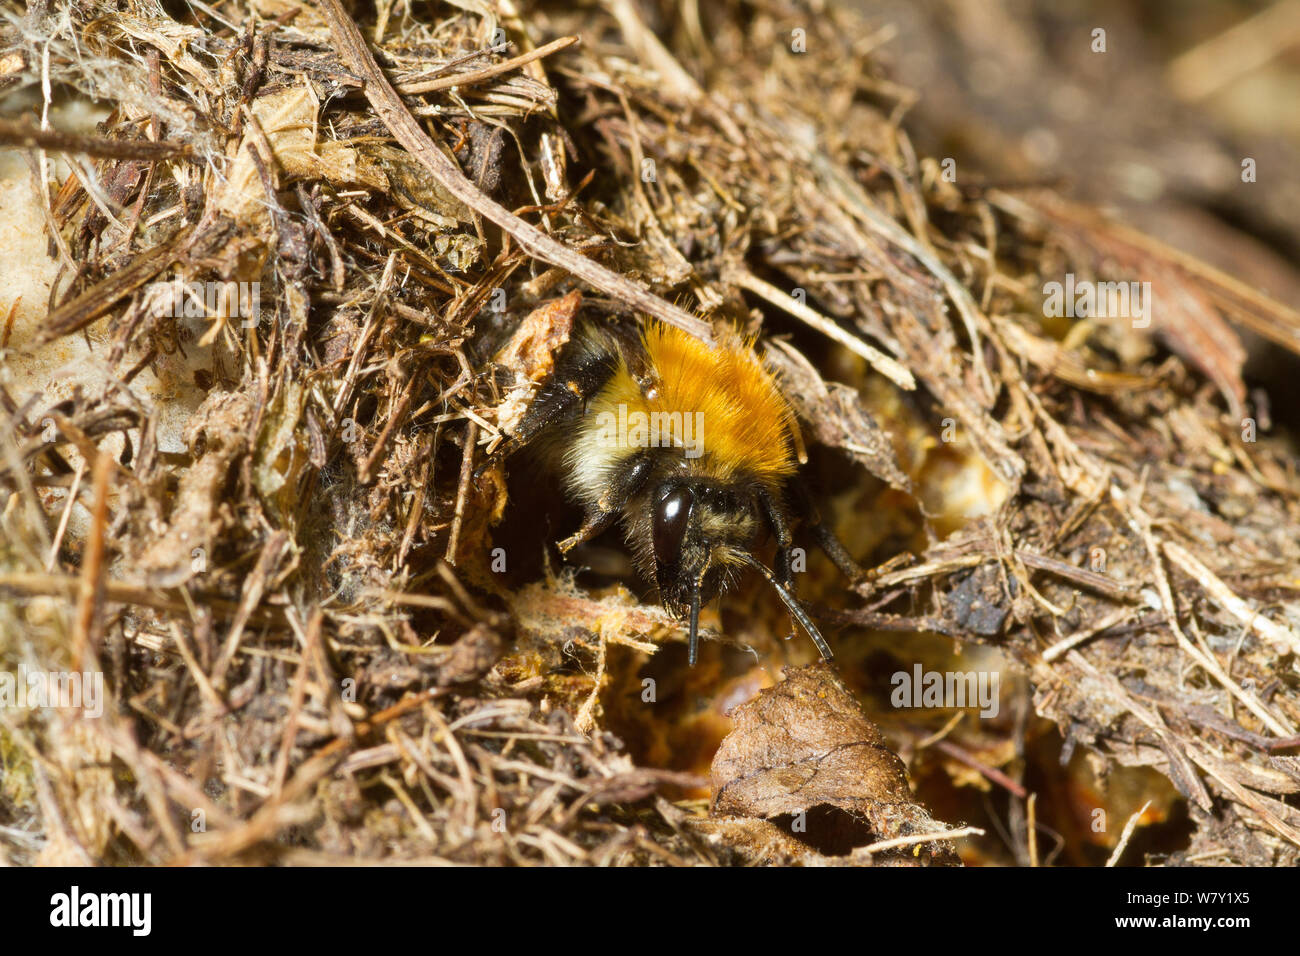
638	429
62	689
1083	299
133	911
197	300
946	689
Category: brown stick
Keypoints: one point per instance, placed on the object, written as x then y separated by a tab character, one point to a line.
103	295
17	133
434	81
90	593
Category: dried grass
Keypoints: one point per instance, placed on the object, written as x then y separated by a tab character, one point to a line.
310	653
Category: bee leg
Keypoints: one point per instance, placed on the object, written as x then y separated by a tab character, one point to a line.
628	480
824	536
775	514
571	386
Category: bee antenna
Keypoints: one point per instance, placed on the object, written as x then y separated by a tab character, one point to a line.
695	622
794	607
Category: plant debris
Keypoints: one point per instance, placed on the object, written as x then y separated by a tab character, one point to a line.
275	303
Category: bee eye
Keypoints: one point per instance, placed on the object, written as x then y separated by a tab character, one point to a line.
672	513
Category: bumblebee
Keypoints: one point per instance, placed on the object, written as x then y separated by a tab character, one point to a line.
690	444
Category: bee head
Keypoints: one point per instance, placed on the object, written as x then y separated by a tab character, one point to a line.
698	532
702	533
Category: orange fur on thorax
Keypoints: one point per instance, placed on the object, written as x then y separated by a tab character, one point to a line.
746	422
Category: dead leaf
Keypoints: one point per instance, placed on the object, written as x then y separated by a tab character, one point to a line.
216	436
838	417
530	354
288	118
532	348
805	749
